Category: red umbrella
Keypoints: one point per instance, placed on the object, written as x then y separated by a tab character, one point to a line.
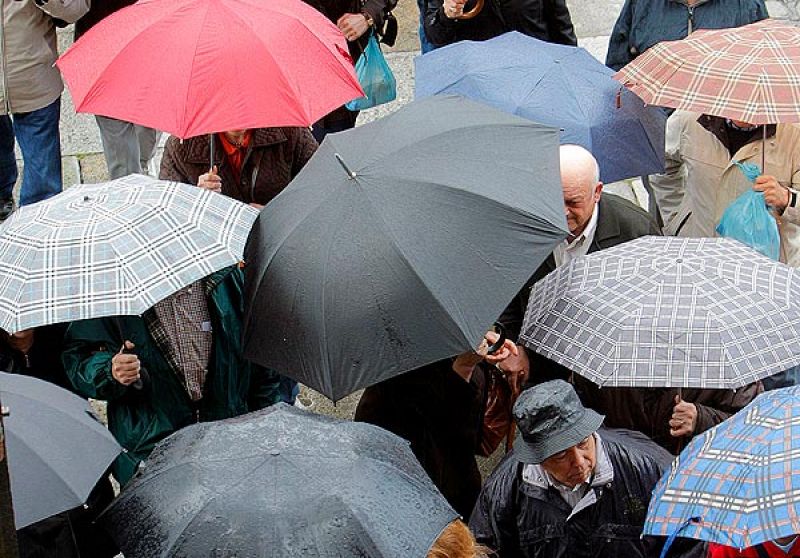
192	67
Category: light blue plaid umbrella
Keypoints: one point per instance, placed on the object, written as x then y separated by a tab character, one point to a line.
739	483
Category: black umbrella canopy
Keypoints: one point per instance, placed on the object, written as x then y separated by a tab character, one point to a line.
57	449
282	483
400	242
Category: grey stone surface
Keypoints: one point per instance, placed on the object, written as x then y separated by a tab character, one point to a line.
594	17
93	168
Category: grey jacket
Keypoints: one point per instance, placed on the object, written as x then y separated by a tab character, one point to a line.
28	50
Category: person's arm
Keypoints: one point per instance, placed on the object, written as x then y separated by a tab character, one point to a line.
69	11
88	363
669	188
619	53
377	10
264	388
171	167
723	405
559	23
440	29
493	521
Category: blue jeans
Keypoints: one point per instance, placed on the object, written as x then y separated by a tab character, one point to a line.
40	143
424	44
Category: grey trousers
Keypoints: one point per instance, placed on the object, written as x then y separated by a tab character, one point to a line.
127	147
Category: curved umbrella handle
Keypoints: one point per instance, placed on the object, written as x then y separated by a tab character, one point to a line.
475	10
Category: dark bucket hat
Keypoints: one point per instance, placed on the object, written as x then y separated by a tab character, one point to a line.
551	419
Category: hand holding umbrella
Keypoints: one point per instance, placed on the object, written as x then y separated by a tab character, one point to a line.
125	367
210	180
684	418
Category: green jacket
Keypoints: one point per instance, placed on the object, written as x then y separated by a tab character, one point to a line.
139	419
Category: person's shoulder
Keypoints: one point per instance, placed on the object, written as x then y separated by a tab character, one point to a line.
626	212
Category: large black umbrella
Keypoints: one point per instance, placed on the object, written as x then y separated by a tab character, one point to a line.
400	242
283	483
57	449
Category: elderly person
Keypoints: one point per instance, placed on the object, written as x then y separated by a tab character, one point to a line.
596	221
189	344
252	166
548	20
568	489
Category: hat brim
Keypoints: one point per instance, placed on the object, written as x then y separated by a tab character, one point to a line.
535	453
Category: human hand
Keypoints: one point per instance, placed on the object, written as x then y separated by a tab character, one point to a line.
125	367
775	195
352	26
210	180
21	341
684	418
453	9
516	366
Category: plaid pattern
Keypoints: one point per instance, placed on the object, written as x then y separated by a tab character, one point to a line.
741	478
749	73
113	249
182	316
668	312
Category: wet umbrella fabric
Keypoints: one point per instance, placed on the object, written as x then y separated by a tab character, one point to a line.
557	85
192	67
114	248
57	449
446	207
283	483
748	73
737	484
668	312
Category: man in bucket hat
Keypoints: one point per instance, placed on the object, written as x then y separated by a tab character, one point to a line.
569	488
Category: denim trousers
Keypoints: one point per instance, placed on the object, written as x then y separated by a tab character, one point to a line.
424	44
40	143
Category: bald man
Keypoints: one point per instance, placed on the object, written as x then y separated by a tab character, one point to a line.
595	222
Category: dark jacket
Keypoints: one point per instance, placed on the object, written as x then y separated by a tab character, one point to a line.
643	23
441	415
99	10
43	361
333	10
139	419
521	520
649	410
618	221
274	157
548	20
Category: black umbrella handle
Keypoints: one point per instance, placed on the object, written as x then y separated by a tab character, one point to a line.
497	345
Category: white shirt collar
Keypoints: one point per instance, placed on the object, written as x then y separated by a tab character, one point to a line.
568	250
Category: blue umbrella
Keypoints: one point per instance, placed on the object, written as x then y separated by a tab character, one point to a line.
739	483
558	85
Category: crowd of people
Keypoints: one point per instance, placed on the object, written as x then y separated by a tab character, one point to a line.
582	470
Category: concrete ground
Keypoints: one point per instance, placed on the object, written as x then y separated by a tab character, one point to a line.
593	19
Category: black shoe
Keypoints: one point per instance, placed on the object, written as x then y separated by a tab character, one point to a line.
6	208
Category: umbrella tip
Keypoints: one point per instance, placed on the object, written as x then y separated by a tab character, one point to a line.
349	172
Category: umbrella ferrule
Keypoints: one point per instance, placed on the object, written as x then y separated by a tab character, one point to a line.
349	172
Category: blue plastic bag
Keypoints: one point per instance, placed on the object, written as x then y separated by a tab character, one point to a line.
375	77
749	221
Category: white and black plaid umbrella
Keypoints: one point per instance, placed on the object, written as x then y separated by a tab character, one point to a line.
113	249
668	312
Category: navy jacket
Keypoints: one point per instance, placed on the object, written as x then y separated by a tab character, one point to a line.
643	23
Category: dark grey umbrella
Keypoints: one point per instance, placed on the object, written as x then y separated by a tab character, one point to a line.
57	449
282	483
400	243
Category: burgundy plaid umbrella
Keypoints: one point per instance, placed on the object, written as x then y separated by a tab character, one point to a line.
749	73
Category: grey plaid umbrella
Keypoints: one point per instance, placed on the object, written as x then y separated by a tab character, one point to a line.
668	312
113	249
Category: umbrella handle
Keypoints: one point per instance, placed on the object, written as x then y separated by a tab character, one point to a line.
497	345
476	9
144	375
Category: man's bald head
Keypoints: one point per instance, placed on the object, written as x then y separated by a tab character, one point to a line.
580	180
